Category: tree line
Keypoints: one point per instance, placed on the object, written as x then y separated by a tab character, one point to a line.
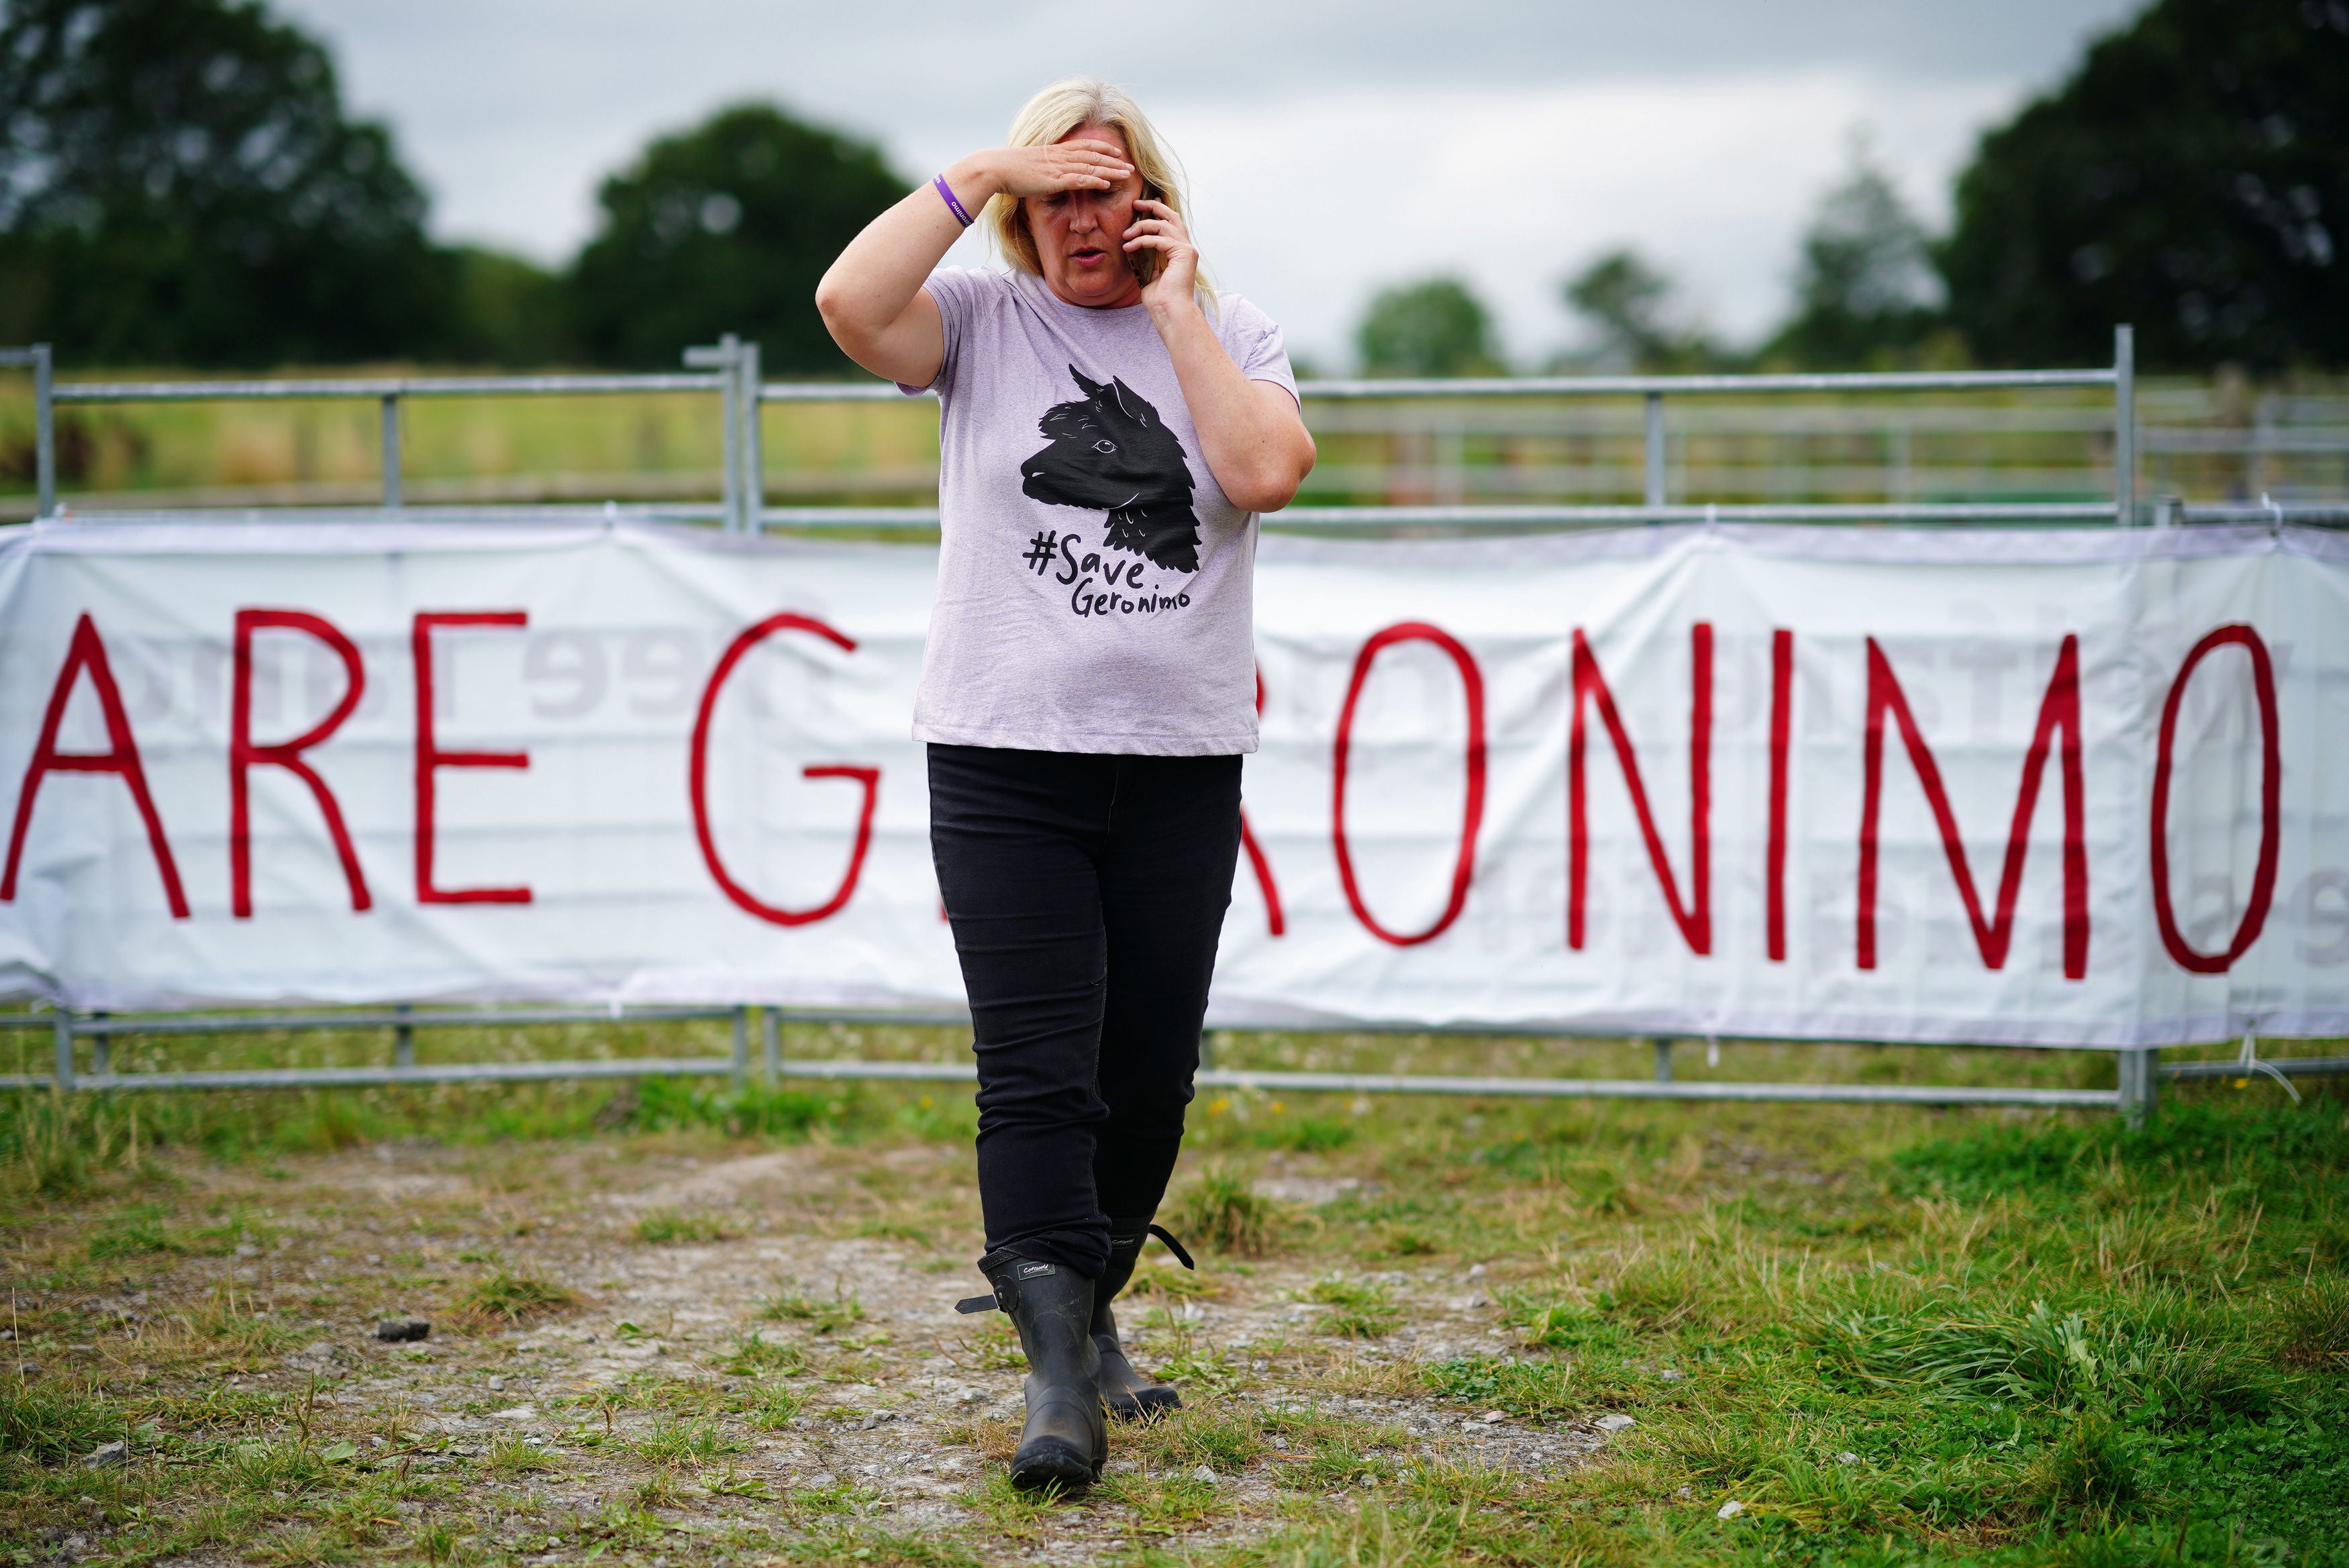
180	184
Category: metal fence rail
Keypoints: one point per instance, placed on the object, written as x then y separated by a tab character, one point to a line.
2134	1095
729	368
101	1030
1494	409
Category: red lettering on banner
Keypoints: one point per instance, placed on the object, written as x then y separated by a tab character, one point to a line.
1695	917
698	781
1782	717
2059	709
1258	861
2263	877
88	652
430	758
243	755
1274	924
1471	814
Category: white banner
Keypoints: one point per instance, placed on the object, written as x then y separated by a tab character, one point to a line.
2080	787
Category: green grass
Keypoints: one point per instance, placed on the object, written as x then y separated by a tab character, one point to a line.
1895	1337
51	1420
507	1297
679	1438
665	1226
1359	1309
1220	1210
54	1150
821	1315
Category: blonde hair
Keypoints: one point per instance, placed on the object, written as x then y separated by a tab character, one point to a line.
1052	114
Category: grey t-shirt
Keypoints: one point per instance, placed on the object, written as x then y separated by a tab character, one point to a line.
1095	589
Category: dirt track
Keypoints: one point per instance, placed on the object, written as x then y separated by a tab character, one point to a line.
798	1370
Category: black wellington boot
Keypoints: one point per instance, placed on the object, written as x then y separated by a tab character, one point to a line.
1129	1396
1065	1439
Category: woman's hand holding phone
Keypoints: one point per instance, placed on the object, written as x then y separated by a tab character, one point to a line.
1157	229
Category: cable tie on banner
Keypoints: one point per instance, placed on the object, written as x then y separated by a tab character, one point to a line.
2250	1062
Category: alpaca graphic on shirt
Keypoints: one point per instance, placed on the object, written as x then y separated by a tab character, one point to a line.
1112	452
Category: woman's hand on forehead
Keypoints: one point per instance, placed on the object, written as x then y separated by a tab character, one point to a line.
1078	165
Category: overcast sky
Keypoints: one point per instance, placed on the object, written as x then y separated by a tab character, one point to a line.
1332	148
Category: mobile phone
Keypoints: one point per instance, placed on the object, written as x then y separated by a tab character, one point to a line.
1145	263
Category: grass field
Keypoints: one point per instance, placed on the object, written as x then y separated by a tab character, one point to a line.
673	1326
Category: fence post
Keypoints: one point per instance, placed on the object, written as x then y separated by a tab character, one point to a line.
771	1045
2125	425
1663	1059
725	357
1655	449
741	1049
2140	1085
45	432
64	1081
403	1041
753	488
390	450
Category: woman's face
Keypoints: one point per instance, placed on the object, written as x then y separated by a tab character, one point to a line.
1081	235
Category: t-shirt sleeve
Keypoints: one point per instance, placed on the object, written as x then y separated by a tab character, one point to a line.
952	289
1252	340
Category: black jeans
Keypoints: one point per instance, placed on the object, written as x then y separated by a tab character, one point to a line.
1086	894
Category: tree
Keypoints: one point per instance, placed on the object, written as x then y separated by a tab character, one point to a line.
2192	178
1866	292
179	184
727	227
1434	327
1629	307
510	311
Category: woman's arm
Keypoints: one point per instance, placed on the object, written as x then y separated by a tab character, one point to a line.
1250	432
872	297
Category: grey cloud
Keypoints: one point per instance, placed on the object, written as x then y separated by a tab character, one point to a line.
935	62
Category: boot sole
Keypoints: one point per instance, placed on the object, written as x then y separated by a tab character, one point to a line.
1050	1461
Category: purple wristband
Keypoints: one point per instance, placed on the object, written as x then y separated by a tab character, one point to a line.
952	206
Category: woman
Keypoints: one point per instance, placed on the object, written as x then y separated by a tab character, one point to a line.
1107	429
